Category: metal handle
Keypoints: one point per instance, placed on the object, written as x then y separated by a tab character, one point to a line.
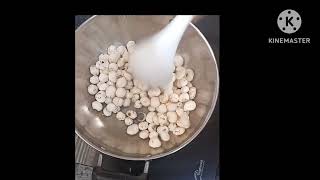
101	174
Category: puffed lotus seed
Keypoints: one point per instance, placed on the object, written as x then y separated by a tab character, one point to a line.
164	98
189	85
132	129
143	94
162	108
103	57
178	131
120	116
121	82
145	101
135	98
154	92
154	142
132	114
127	75
179	111
96	105
117	101
192	92
128	121
102	64
162	129
189	75
121	49
178	60
172	117
100	96
116	110
184	121
106	112
112	76
130	46
110	83
154	102
108	100
137	104
104	71
179	105
174	98
94	79
119	73
144	134
129	95
143	125
168	91
171	106
153	134
92	89
94	70
111	49
177	92
103	77
113	67
121	63
181	82
164	136
152	127
155	120
111	107
189	106
126	102
184	89
150	116
125	56
184	97
150	108
102	86
172	126
163	120
110	91
141	116
121	92
135	90
113	58
129	85
180	72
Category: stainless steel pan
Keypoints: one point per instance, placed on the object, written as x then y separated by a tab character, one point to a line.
108	135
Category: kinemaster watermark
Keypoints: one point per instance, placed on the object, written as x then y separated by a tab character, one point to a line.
289	21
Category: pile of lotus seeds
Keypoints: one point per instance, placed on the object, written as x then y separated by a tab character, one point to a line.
168	109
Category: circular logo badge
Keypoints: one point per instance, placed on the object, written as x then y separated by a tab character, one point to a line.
289	21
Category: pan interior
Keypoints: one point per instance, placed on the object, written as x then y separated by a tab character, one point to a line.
107	134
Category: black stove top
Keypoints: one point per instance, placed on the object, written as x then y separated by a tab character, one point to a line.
199	159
